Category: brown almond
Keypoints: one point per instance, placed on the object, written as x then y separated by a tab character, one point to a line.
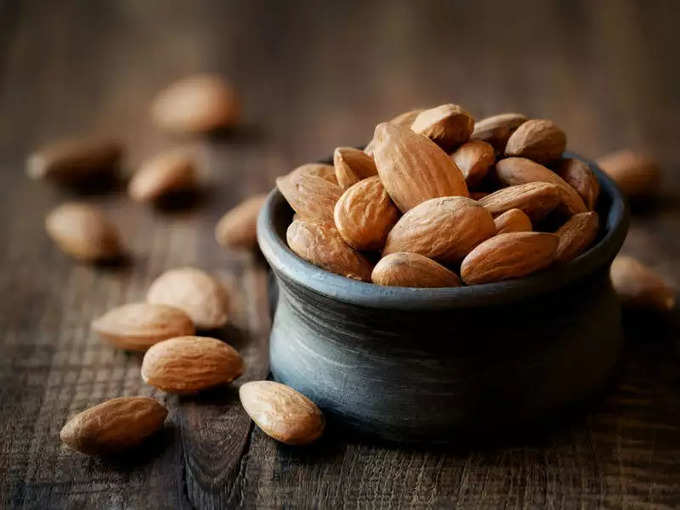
579	176
238	227
114	426
352	165
310	194
639	286
281	412
447	125
512	171
188	364
364	215
137	326
83	232
412	270
413	168
638	175
513	220
535	199
445	229
474	159
193	291
166	173
497	129
196	104
403	119
506	256
537	139
576	235
322	245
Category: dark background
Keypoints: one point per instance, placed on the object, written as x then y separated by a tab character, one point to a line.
312	76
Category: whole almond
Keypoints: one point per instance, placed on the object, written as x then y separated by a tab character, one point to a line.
238	227
137	326
447	125
196	104
166	173
364	215
579	176
639	286
83	232
445	229
474	159
513	220
512	171
403	119
352	165
322	245
310	195
193	291
114	426
414	169
497	129
537	139
412	270
188	364
326	172
535	199
281	412
577	234
636	174
506	256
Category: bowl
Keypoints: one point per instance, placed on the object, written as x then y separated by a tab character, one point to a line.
418	364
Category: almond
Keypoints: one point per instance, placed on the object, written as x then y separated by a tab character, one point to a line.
447	125
137	326
193	291
577	234
238	227
326	172
352	165
188	364
535	199
512	171
413	169
537	139
445	229
639	286
508	256
310	195
474	159
166	173
403	119
83	232
322	245
497	129
281	412
579	176
114	426
196	104
412	270
513	220
636	174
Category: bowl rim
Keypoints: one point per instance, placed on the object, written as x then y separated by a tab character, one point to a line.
286	264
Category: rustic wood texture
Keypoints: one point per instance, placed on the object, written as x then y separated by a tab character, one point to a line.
313	76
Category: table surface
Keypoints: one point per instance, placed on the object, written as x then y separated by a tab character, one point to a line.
312	76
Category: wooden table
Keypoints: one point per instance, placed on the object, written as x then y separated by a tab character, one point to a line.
312	77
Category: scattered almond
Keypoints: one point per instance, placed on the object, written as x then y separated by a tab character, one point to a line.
447	125
474	159
310	195
497	129
513	220
352	165
535	199
636	174
238	227
537	139
579	176
639	286
169	172
412	270
577	234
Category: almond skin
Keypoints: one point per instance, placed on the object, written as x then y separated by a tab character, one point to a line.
83	232
447	125
188	364
412	270
403	119
137	326
580	177
535	199
576	235
413	169
352	165
508	256
310	192
639	286
166	173
497	129
237	229
193	291
445	229
114	426
636	174
282	413
474	159
537	139
513	220
322	245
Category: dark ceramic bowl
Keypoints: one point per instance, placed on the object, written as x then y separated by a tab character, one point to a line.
409	364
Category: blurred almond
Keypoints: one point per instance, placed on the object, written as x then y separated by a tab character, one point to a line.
639	286
576	235
403	119
638	175
447	125
579	176
310	192
474	159
513	220
169	172
535	199
238	227
412	270
352	165
497	129
537	139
